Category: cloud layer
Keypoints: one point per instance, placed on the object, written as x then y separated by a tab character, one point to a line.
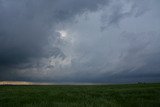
80	41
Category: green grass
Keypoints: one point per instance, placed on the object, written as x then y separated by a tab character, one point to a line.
133	95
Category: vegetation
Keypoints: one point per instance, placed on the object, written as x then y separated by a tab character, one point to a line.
128	95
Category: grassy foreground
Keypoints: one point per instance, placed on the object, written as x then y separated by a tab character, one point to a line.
133	95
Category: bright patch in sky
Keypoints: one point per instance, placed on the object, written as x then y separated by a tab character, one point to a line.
63	33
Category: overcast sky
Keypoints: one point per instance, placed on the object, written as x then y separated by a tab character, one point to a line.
99	41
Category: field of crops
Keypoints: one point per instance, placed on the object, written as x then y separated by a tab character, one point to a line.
126	95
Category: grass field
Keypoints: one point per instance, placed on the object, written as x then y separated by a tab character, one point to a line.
133	95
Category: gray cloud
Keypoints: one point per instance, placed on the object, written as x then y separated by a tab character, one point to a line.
122	9
25	28
63	41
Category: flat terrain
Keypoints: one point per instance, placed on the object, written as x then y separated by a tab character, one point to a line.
128	95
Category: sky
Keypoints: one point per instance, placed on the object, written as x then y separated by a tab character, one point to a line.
80	41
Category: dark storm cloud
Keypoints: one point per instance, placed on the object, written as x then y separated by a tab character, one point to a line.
79	41
26	25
